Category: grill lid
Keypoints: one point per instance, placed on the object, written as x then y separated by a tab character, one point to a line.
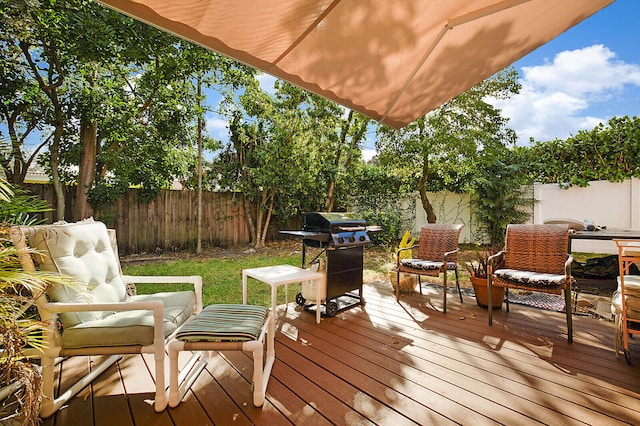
346	229
333	222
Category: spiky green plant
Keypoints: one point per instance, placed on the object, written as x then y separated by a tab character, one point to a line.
20	327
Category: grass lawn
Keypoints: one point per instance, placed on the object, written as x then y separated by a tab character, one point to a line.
222	278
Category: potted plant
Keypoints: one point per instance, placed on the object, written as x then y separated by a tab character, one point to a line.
407	281
21	331
478	277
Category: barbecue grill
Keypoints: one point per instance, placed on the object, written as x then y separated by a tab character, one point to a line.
340	238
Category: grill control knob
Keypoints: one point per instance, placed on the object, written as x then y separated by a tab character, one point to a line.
341	240
362	238
352	238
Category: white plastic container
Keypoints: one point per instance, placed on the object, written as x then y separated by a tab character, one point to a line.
309	287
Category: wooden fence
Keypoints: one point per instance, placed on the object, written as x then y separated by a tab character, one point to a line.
169	222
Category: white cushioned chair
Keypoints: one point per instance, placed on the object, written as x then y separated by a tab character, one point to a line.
98	315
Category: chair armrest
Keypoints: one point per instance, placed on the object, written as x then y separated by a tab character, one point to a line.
162	279
196	280
400	250
450	253
57	307
491	260
567	267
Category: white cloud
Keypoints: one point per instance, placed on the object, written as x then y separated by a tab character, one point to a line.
560	98
368	154
217	128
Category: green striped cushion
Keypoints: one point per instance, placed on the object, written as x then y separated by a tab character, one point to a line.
225	323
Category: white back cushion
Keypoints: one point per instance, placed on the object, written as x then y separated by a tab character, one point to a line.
81	250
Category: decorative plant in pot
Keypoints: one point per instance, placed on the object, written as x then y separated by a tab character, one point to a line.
478	277
21	331
407	281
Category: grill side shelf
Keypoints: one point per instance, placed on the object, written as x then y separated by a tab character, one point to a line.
308	235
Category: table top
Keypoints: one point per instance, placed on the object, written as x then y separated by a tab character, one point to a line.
281	274
606	234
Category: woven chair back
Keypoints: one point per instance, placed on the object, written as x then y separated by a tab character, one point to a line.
436	239
537	248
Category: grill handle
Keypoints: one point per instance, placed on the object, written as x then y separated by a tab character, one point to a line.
352	228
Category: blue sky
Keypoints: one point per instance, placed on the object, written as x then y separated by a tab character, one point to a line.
581	78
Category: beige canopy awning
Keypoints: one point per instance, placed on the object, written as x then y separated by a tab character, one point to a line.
393	60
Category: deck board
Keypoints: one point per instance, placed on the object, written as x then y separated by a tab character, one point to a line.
392	363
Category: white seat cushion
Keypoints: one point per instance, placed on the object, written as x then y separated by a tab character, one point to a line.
427	265
131	327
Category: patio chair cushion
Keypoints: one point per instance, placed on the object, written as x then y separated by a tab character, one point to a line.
632	251
530	279
426	265
632	301
633	305
81	250
225	322
631	285
131	327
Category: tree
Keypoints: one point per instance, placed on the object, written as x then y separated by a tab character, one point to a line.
607	152
440	149
23	106
337	138
500	195
265	159
114	99
288	153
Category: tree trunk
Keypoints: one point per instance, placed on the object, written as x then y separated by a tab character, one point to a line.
422	187
86	168
249	218
328	203
55	177
267	221
200	125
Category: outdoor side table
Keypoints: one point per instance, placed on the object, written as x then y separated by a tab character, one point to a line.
278	275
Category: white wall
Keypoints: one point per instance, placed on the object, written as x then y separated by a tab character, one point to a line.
614	205
448	207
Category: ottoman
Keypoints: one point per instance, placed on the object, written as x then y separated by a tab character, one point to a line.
223	328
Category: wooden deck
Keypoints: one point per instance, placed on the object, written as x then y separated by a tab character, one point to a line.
393	364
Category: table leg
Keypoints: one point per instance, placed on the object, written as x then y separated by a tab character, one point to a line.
244	288
318	297
274	298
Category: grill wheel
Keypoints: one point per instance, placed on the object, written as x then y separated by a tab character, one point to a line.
331	309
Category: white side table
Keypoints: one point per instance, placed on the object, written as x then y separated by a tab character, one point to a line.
278	275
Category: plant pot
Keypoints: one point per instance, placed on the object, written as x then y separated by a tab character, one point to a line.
481	290
408	282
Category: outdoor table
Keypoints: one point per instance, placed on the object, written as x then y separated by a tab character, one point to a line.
605	234
278	275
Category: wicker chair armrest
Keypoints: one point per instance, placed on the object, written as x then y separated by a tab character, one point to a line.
492	260
405	248
567	266
400	250
448	254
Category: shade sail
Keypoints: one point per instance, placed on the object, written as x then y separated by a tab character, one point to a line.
391	60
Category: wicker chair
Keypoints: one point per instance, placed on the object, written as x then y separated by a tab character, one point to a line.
437	253
625	303
535	258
